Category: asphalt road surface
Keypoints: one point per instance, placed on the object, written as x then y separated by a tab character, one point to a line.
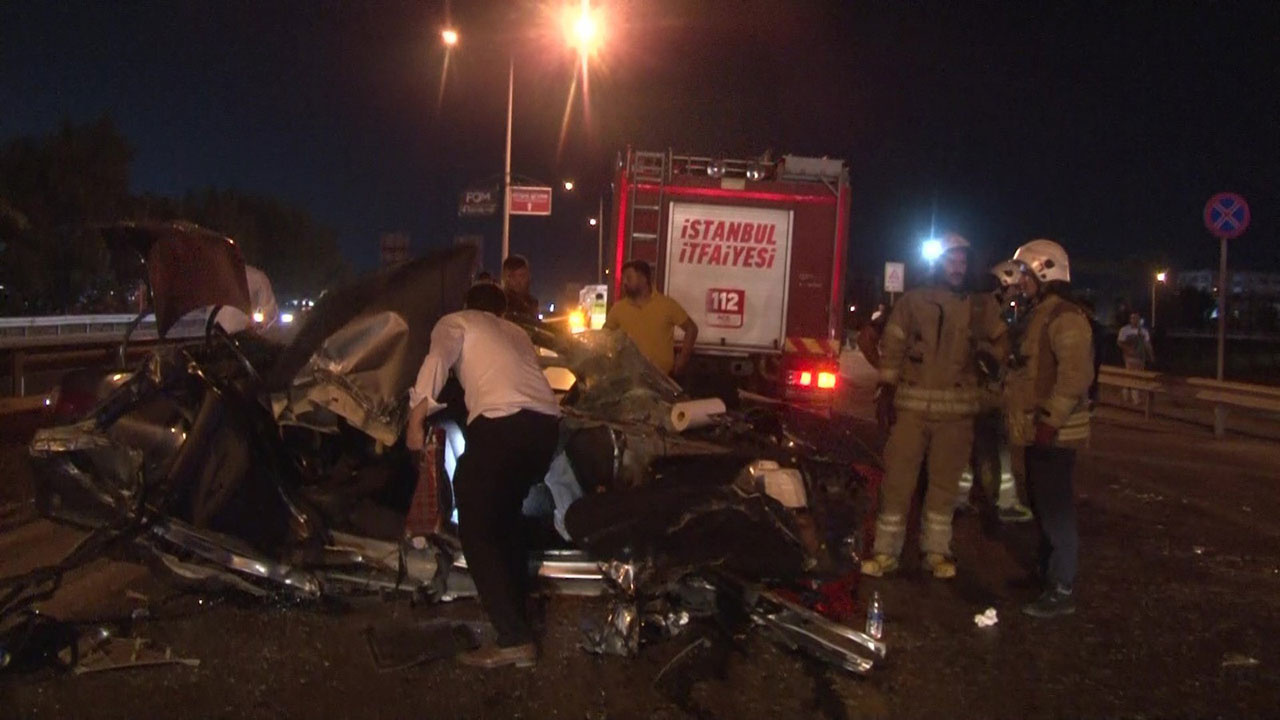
1179	616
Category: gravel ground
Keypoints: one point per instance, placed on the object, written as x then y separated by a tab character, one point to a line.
1179	613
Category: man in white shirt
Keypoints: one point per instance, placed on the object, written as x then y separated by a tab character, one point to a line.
1135	346
261	297
512	431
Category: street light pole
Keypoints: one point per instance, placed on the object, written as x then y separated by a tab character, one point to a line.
1159	279
586	36
1222	320
506	165
1153	305
600	243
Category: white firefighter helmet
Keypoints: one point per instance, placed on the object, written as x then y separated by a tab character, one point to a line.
953	241
1007	272
1046	259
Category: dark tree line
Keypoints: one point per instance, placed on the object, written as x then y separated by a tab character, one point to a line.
56	188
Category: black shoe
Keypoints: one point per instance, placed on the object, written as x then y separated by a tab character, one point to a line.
1052	603
490	657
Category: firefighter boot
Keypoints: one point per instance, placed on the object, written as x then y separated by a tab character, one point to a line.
940	566
880	566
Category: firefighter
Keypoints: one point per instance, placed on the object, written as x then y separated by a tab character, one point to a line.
1047	405
998	486
927	399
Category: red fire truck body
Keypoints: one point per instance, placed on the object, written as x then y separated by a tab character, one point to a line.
754	250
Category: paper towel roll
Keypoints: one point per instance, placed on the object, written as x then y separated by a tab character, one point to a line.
693	414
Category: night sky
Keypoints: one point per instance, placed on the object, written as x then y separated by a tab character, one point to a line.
1105	126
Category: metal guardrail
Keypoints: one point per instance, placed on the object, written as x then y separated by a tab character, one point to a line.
71	341
1220	394
58	330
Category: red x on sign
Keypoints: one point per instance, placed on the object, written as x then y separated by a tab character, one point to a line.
1226	215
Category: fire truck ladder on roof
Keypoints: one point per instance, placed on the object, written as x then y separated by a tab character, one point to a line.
651	166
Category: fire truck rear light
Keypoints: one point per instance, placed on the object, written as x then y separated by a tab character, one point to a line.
819	379
803	378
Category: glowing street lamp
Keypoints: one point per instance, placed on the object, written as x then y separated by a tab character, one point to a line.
583	32
592	222
1159	280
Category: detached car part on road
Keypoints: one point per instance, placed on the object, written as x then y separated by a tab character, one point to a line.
282	471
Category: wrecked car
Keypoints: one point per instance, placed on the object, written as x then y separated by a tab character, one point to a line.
281	471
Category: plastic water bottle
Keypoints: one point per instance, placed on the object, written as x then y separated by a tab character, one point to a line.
875	616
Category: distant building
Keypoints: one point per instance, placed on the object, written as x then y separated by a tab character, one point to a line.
1242	282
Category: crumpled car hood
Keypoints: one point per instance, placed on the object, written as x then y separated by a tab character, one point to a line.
615	382
188	267
359	349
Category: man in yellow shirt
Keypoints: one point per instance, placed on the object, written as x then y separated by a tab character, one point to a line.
648	317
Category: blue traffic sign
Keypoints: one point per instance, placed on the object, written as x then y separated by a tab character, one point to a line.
1226	215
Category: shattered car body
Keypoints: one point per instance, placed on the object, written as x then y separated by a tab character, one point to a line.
281	471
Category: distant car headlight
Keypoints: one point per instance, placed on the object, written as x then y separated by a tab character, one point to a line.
286	318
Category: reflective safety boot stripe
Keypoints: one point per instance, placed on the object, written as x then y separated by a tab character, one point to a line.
937	520
935	534
891	535
891	522
1008	494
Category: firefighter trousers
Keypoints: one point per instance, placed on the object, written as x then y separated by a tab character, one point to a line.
999	488
946	444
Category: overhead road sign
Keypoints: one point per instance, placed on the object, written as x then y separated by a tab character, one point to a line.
530	200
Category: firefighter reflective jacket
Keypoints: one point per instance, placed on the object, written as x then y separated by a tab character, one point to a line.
928	349
1050	374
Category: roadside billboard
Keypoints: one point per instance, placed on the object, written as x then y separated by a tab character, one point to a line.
478	202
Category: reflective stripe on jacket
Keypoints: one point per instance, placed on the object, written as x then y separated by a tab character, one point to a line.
927	350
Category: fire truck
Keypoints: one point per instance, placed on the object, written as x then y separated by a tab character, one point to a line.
754	250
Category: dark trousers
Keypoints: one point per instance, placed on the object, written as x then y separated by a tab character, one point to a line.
504	458
1052	495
